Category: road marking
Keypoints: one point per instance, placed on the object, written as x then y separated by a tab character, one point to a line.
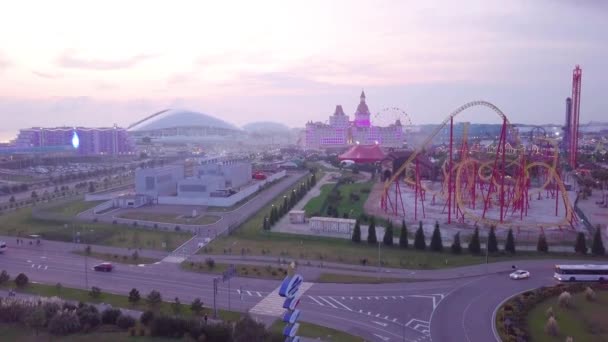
359	298
272	304
33	265
39	266
377	315
369	313
343	298
394	320
394	297
380	323
386	317
383	338
45	267
368	298
385	297
259	294
344	306
434	297
316	301
328	302
419	325
377	297
238	291
248	293
401	297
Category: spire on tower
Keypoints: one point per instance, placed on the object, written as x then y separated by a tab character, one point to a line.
362	95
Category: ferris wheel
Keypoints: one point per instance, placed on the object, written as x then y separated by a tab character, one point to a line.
389	115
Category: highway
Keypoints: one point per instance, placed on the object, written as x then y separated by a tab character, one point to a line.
458	308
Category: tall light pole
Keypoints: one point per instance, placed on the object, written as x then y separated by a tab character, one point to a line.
379	260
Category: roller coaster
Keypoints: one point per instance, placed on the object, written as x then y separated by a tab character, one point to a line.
492	185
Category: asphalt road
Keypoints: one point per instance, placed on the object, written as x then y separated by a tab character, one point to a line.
458	308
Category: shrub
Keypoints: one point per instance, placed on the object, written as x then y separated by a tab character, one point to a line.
210	263
456	247
154	299
388	234
356	237
50	309
110	315
95	292
134	296
89	316
549	312
371	231
551	327
403	242
64	322
589	294
146	317
196	306
597	246
21	280
474	244
436	242
569	339
4	277
541	245
125	322
492	241
565	299
36	319
510	243
168	326
419	241
581	244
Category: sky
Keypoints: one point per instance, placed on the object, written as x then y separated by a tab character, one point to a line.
99	63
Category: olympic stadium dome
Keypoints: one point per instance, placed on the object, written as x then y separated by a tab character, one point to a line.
176	125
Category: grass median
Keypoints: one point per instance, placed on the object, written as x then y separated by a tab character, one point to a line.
116	300
584	321
242	270
21	223
132	259
340	278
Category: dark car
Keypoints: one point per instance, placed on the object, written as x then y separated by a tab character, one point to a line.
103	267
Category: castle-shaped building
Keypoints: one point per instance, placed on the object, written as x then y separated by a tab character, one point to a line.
340	131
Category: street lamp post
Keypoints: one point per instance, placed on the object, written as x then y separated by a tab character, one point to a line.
379	260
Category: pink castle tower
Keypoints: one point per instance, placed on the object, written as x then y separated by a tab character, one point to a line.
362	115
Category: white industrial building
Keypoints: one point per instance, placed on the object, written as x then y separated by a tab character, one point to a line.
158	181
216	178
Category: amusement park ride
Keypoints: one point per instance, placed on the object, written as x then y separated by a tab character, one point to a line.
494	185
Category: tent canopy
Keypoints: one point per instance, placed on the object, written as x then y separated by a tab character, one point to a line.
363	154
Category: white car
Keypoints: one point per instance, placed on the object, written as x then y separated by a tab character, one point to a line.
519	274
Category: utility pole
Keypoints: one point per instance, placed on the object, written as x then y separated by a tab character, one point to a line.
379	260
215	280
229	294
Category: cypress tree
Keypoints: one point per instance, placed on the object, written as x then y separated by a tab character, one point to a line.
492	242
388	234
581	244
541	245
510	244
436	242
419	241
357	232
371	232
456	247
597	247
474	244
403	243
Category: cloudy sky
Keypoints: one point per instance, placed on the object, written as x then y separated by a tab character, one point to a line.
104	62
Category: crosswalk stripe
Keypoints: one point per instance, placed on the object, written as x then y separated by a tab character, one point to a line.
259	294
249	293
344	306
316	301
328	302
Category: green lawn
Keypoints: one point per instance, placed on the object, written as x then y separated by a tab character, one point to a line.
21	223
356	279
14	332
318	332
115	300
118	258
169	218
346	204
70	209
243	270
586	321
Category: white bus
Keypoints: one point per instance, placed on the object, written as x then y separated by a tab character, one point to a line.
581	273
2	246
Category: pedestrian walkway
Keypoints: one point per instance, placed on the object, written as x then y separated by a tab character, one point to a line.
272	305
